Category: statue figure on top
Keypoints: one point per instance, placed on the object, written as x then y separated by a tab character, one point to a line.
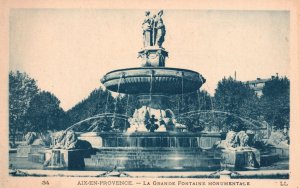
160	30
153	54
147	30
153	30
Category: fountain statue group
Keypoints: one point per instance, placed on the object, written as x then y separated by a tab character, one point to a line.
151	119
153	29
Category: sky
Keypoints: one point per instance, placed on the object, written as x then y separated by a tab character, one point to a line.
68	51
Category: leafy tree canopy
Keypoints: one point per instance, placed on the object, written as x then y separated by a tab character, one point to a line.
44	113
234	96
275	102
99	101
22	89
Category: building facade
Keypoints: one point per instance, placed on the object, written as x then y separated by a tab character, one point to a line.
258	85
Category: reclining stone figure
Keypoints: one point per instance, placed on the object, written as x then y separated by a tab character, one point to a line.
30	137
278	138
34	138
68	140
235	141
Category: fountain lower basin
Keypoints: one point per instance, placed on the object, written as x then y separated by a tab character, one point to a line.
153	139
153	159
144	151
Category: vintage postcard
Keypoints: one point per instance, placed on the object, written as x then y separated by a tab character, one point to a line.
149	94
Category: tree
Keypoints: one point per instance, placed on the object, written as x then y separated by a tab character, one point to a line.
45	114
237	99
191	102
234	97
125	104
275	102
22	89
99	101
194	101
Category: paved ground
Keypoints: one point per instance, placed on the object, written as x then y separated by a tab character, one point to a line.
268	174
23	163
36	169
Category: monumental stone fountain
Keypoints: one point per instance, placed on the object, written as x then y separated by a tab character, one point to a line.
154	140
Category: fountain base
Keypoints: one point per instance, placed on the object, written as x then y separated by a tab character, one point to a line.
148	151
153	159
66	159
240	159
25	151
152	139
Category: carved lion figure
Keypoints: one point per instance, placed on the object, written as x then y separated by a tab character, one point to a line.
68	140
58	139
242	139
234	140
30	137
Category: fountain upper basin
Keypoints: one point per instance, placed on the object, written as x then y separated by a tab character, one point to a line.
157	80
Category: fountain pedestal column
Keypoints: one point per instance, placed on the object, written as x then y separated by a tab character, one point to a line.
153	56
153	101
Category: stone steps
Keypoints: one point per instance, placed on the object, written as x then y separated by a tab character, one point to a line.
36	157
166	164
268	159
24	151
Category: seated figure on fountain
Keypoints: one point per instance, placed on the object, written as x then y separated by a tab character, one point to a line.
278	138
142	116
151	125
168	124
138	120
